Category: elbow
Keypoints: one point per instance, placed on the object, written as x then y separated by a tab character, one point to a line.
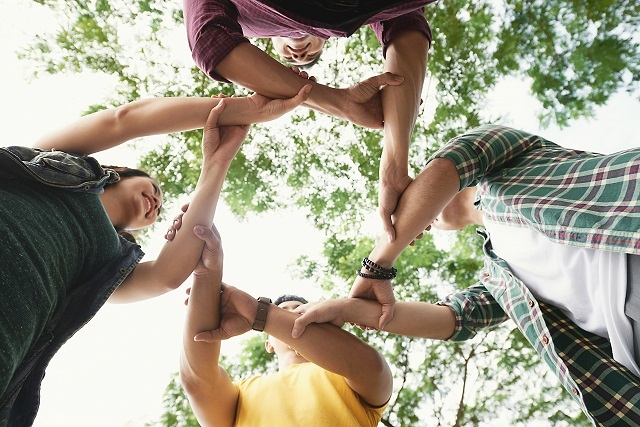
124	115
191	384
370	361
121	113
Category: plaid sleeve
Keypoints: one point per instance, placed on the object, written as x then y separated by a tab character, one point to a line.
485	148
387	30
475	309
213	32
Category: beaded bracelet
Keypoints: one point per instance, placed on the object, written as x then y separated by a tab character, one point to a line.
373	276
377	271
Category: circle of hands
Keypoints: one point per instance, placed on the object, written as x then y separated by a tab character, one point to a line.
221	144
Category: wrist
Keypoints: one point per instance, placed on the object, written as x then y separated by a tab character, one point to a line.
328	100
392	172
260	318
379	256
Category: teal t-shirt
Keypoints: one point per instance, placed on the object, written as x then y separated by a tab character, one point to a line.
51	242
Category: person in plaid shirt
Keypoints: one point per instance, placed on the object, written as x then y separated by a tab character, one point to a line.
216	31
561	250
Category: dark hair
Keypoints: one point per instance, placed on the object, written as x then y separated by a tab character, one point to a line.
312	63
125	172
288	297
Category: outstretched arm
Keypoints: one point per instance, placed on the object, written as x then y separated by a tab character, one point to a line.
406	56
112	127
419	205
250	67
328	346
458	317
464	161
414	319
211	393
179	257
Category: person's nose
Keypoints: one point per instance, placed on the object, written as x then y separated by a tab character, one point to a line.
299	56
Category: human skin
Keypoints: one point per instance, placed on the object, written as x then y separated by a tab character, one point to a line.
394	108
231	312
420	204
109	128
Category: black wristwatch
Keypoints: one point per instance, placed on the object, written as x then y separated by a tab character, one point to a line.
261	316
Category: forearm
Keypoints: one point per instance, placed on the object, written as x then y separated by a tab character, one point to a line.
179	257
419	205
407	57
250	67
144	117
199	360
326	345
414	319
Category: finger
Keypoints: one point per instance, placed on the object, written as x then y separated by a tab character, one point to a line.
300	309
312	78
385	79
295	69
300	325
304	74
214	115
206	234
177	222
184	207
420	236
186	301
170	234
188	291
387	225
387	315
413	242
215	231
301	97
207	336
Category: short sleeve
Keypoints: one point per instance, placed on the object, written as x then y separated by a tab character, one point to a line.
213	32
387	30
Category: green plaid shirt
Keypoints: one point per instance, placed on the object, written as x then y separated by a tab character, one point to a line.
574	198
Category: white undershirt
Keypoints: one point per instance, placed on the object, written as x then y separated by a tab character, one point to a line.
588	285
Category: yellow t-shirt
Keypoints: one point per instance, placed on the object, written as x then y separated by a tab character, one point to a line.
302	395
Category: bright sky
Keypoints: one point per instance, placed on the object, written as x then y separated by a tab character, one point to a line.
113	372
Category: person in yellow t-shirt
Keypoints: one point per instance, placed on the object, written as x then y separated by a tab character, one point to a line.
327	377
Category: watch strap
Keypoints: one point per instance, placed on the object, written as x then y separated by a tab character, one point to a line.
261	316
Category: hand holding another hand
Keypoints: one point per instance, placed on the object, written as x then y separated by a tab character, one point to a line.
379	290
327	311
363	101
389	194
221	143
237	312
267	109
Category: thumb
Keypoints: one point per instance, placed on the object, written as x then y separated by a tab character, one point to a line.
386	79
208	336
214	115
387	315
300	325
387	225
302	96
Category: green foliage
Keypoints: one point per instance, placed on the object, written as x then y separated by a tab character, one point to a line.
177	411
575	54
252	361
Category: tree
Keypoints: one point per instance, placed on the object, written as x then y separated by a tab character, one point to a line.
575	54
